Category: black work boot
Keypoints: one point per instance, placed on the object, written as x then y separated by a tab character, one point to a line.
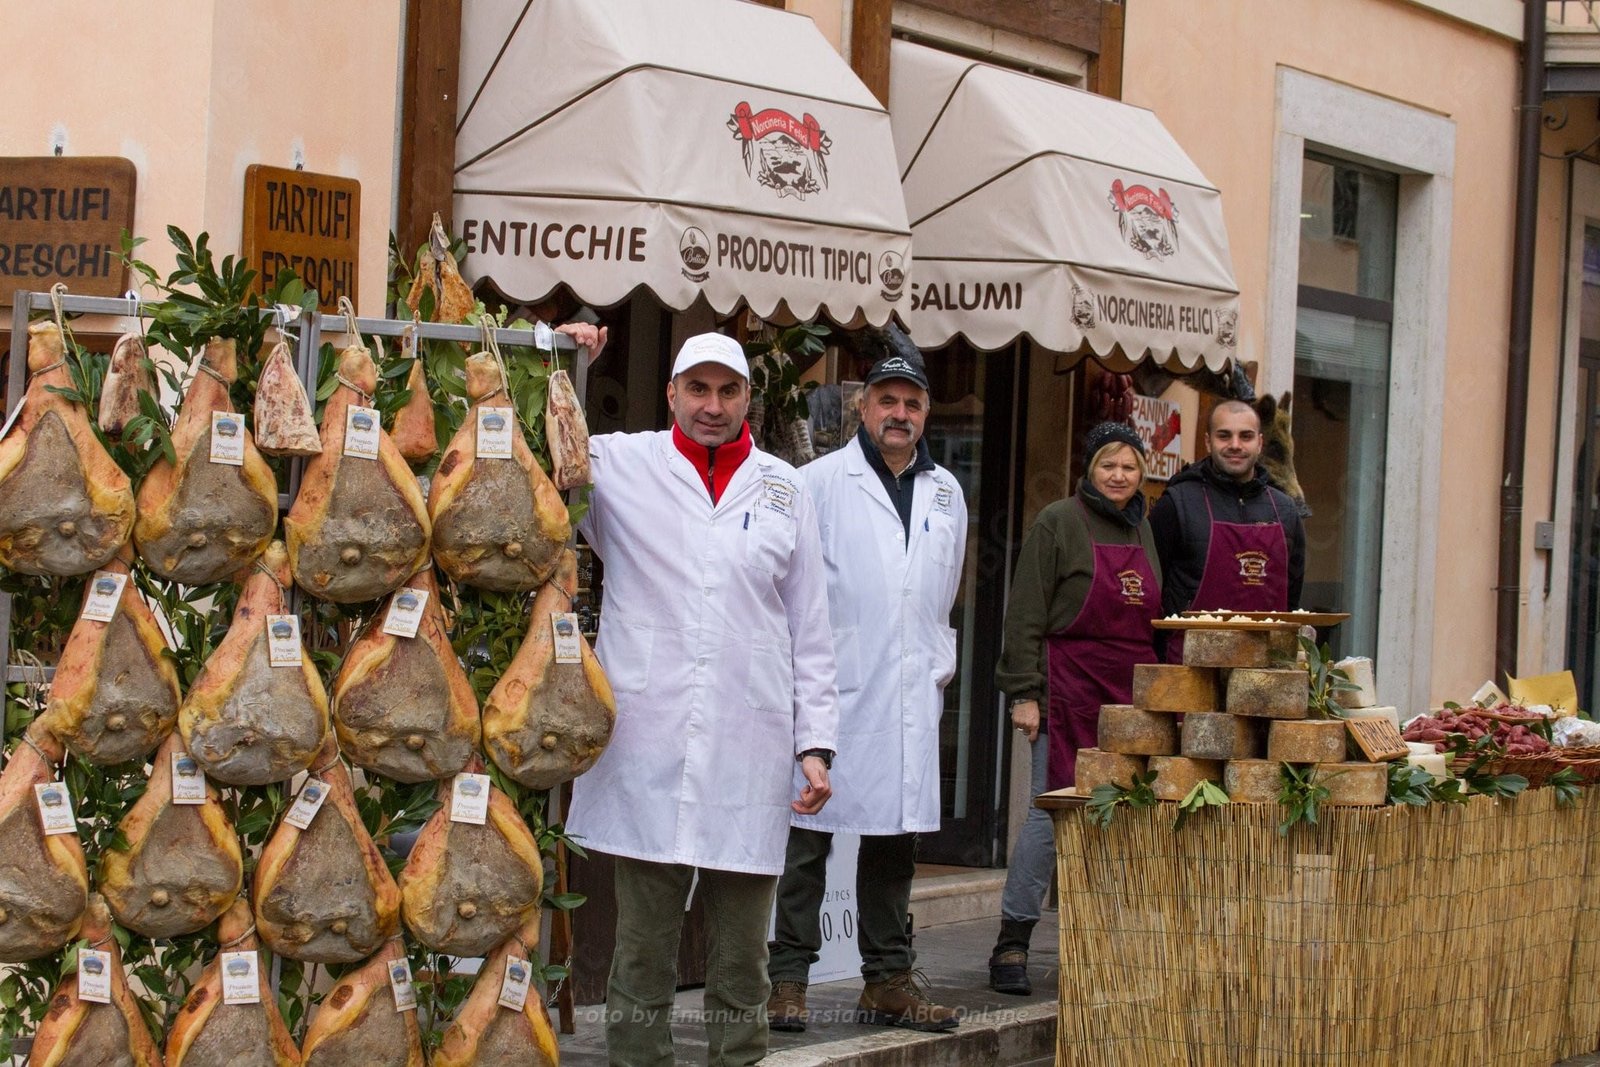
1008	964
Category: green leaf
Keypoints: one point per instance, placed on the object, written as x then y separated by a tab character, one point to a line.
1567	784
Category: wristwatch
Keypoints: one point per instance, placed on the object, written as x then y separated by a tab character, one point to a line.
823	754
1021	700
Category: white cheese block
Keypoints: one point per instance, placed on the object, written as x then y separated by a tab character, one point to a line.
1392	714
1359	671
1435	763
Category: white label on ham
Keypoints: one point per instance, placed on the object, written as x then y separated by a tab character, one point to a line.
188	780
469	798
94	975
544	338
405	994
361	432
307	803
495	427
283	640
227	438
241	977
55	808
405	612
105	592
564	628
514	986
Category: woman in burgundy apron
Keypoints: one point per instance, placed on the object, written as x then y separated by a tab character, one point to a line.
1247	569
1080	614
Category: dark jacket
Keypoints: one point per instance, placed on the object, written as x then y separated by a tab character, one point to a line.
1054	571
1183	531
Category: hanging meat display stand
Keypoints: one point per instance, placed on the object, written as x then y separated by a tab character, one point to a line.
306	332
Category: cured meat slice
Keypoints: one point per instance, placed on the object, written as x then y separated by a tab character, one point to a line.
566	432
127	379
498	523
283	420
324	894
437	273
81	1033
484	1033
44	884
414	432
199	521
357	1024
403	706
182	865
465	888
65	505
246	721
210	1033
546	722
359	527
115	694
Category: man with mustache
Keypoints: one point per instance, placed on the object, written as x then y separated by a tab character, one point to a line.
894	532
1225	535
714	635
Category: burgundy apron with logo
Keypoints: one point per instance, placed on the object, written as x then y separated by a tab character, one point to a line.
1091	661
1247	569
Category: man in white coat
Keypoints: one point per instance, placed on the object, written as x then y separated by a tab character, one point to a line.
894	531
714	635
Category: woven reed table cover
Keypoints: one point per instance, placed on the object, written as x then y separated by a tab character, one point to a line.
1446	934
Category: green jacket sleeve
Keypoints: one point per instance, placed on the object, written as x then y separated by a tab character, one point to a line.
1020	674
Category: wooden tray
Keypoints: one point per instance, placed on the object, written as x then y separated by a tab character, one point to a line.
1299	618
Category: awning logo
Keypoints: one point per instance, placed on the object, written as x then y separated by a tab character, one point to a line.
783	153
694	248
892	273
1082	307
1147	220
1228	328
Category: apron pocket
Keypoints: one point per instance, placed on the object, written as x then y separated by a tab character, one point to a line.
769	542
847	659
626	660
770	685
944	655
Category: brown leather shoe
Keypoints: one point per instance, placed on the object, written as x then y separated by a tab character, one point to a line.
786	1008
899	1000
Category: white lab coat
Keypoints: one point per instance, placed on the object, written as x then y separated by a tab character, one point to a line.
714	634
889	599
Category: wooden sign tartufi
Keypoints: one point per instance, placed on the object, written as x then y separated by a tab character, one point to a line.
61	220
304	222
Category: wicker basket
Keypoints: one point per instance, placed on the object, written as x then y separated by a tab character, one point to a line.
1540	767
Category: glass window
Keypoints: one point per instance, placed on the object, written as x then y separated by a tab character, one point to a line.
1341	388
1583	631
1347	218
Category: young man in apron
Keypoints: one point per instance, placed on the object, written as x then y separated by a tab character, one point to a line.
1227	538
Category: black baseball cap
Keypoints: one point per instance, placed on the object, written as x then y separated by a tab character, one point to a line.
899	365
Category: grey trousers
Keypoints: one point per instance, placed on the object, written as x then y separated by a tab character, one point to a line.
885	865
1033	859
651	900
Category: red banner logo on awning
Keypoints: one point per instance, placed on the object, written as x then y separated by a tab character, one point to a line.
1147	220
783	153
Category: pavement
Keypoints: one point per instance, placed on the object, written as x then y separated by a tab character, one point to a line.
998	1030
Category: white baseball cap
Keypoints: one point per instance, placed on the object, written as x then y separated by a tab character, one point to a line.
712	348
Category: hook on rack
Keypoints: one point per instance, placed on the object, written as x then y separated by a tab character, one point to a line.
282	316
348	310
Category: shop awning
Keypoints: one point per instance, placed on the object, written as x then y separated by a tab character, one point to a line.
1043	210
696	147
